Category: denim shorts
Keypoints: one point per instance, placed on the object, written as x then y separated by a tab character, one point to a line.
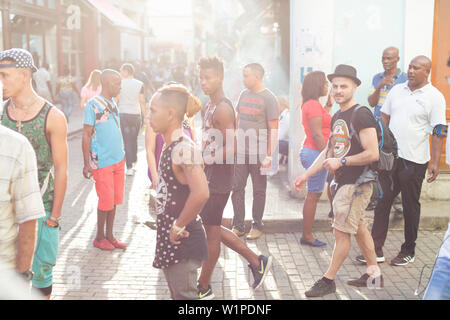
316	183
439	286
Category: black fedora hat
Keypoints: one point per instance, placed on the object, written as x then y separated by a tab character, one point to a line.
345	71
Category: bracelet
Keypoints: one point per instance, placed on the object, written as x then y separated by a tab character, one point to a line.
176	229
52	224
57	220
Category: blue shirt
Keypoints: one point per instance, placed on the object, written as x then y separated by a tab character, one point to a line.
106	141
399	77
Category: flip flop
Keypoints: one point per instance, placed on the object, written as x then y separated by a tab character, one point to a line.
316	243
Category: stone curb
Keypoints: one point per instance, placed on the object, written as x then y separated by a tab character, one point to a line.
323	225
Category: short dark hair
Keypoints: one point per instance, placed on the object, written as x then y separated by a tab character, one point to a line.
177	100
256	68
213	62
108	74
313	85
178	97
128	67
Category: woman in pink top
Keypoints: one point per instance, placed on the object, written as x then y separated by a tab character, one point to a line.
316	122
92	88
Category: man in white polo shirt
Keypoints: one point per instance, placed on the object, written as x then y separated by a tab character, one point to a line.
414	110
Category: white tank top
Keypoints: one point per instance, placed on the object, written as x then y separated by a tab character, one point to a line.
129	96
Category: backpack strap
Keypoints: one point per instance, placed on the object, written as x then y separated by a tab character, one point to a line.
106	106
353	132
381	144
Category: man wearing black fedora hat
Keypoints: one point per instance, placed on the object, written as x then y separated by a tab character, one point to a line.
352	146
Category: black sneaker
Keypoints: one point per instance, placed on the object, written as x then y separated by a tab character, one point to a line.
321	288
367	281
260	273
402	260
380	257
205	294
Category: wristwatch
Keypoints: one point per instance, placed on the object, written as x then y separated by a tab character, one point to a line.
344	162
28	275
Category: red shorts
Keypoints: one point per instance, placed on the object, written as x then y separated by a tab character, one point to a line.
110	184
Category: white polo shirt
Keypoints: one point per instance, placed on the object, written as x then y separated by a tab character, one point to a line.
414	114
447	148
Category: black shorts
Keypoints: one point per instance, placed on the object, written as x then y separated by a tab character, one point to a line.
213	210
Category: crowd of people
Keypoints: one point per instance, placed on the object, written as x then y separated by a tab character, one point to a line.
361	154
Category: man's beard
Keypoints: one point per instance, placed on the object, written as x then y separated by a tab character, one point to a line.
345	101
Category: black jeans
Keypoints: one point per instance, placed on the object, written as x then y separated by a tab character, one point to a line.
130	125
259	182
407	178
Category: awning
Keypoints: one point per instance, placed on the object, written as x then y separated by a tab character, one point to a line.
114	15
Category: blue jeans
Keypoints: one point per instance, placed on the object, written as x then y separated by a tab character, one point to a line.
130	125
439	286
316	183
283	147
68	101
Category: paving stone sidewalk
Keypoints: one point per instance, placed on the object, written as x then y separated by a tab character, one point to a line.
83	272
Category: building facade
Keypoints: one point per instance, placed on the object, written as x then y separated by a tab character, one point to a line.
80	35
325	33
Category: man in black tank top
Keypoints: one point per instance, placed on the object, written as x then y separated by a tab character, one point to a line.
182	191
219	150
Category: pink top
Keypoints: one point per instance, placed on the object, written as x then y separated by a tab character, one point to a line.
88	93
311	109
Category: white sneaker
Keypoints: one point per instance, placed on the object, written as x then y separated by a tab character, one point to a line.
130	172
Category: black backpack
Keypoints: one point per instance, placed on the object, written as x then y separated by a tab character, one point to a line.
388	149
387	144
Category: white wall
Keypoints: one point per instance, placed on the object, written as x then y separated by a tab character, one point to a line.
325	33
312	37
419	20
131	47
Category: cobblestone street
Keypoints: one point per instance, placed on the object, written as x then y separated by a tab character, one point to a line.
84	272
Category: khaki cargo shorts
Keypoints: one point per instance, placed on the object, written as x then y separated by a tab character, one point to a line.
349	207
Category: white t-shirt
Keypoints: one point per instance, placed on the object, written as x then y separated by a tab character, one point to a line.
41	77
447	148
129	96
413	117
283	132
